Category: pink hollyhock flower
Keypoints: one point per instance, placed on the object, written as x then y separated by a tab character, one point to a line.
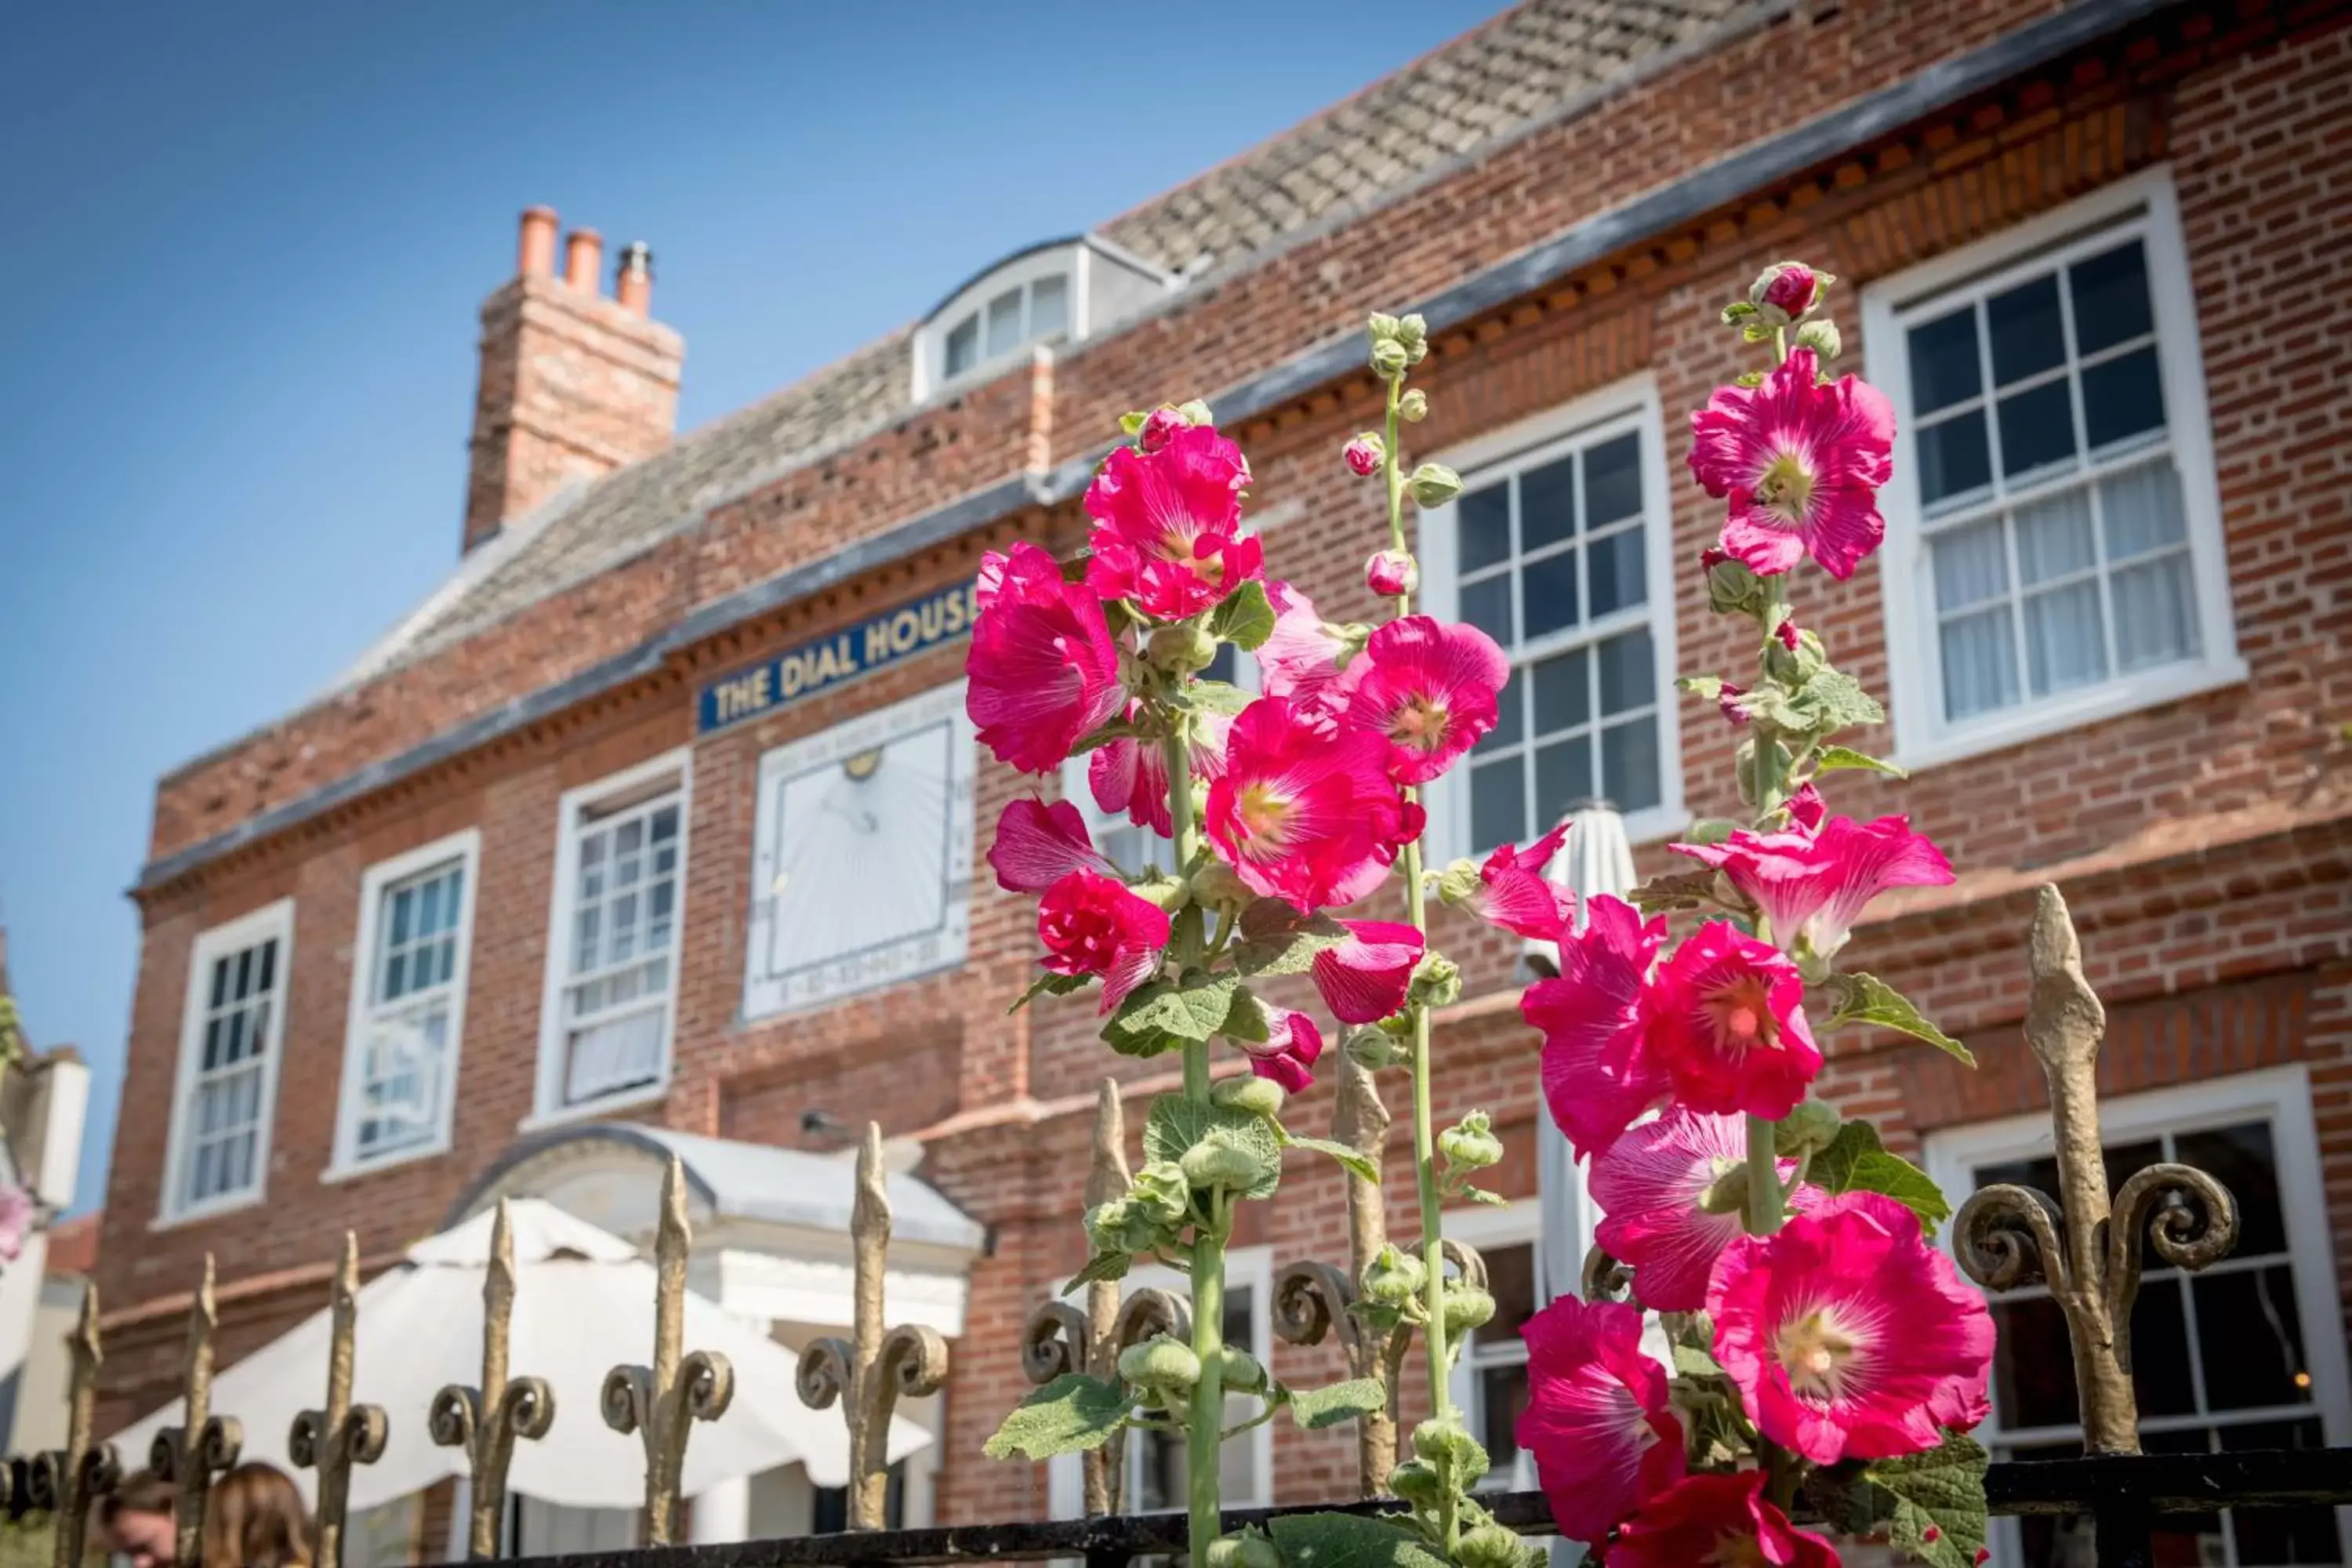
1364	979
1513	895
1364	455
1132	775
1391	573
1718	1519
1167	535
1787	632
1598	1421
1848	1336
1037	844
1727	700
1800	464
1092	925
1044	669
1814	881
1301	659
1712	557
1790	288
16	1215
1159	427
1287	1053
1304	810
1428	691
1598	1071
1728	1022
1647	1186
1807	809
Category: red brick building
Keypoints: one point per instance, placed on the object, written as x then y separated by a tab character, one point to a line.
658	816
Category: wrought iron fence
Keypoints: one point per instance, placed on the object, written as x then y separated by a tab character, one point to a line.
2084	1243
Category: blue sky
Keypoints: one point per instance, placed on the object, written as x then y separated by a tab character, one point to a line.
245	249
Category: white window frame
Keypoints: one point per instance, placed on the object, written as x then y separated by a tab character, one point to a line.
465	848
2283	1095
571	812
2144	206
1633	404
1517	1224
271	921
1068	263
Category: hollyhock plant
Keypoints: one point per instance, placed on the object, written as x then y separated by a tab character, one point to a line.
1511	890
1727	1023
1428	690
1043	668
1038	844
1801	463
1812	881
1287	1056
1302	657
1599	1422
1599	1074
1847	1336
1718	1519
1091	924
1167	535
1130	775
1304	811
1391	574
1650	1187
1364	978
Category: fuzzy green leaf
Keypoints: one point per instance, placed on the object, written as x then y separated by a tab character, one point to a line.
1049	985
1833	701
1129	423
1177	1123
1705	687
1161	1014
1068	1416
1245	617
1217	697
1866	999
1355	1161
1939	1501
1319	1408
1101	1266
1692	1362
1855	1163
1277	940
1830	758
1348	1541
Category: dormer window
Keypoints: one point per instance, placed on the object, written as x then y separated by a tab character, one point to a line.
1056	292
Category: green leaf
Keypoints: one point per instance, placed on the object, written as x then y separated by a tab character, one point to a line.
1129	423
1068	1416
1855	1162
1833	701
1830	758
1217	697
1348	1541
1732	314
1705	687
1277	940
1049	985
1357	1163
1692	1362
1245	618
1159	1015
1101	1266
1315	1408
1177	1123
1866	999
1939	1501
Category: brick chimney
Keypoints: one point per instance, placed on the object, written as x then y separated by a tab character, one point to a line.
573	383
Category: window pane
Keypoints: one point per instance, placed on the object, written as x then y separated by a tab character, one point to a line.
1546	505
1548	594
1954	457
1487	604
2240	1158
1628	676
2028	334
1563	777
2034	1369
1509	714
1943	368
964	346
1614	572
1498	806
1511	1280
2053	538
1485	519
1980	663
2065	640
2110	299
2123	398
1004	323
2161	1350
2283	1534
1563	693
1613	482
1628	763
1502	1395
2141	509
2155	618
1049	307
2037	429
1972	565
2250	1338
403	906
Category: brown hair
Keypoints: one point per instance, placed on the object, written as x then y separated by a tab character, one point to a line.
254	1519
141	1491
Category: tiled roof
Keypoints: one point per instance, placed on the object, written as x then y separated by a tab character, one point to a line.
1533	63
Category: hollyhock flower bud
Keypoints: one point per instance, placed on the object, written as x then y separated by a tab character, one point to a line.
1497	1546
1848	1336
1417	1482
1823	337
1728	1022
1787	632
1444	1444
1436	981
1167	535
1731	588
1800	464
1470	1143
1393	1278
1718	1519
1037	844
1670	1193
1414	407
1304	809
1222	1159
1364	977
1433	484
1159	427
1180	648
1467	1309
1413	333
1728	700
1391	573
1092	925
1158	1190
1786	290
1811	1125
1364	455
1811	884
1043	667
1389	358
1252	1095
1372	1049
1712	557
1429	691
1215	887
1599	1073
1241	1372
1598	1421
1160	1361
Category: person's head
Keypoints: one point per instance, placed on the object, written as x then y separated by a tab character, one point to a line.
136	1520
254	1519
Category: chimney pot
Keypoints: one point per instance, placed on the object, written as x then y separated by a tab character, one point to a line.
583	253
634	285
535	254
